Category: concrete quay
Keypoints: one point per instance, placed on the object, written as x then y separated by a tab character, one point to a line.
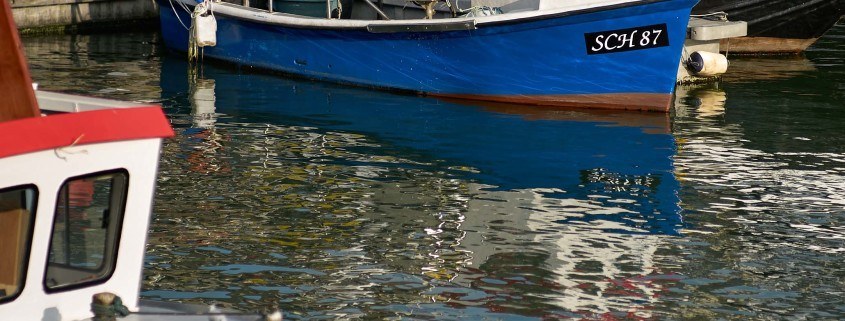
69	16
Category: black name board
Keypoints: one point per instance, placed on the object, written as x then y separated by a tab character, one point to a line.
611	41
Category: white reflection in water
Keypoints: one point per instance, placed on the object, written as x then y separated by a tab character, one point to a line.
593	272
802	189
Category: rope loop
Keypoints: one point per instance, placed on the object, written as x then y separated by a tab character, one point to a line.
108	312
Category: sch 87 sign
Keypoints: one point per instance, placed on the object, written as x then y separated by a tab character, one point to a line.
629	39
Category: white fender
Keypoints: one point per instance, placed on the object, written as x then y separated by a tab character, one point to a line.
707	64
204	25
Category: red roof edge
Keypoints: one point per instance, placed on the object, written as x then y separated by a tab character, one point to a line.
29	135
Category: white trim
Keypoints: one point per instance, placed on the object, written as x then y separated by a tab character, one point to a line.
258	15
72	103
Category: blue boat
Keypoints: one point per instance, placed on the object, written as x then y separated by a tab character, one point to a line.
619	54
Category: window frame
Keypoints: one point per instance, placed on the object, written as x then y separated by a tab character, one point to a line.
105	277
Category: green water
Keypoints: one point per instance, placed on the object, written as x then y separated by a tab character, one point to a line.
340	203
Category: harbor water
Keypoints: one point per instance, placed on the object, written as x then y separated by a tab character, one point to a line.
334	202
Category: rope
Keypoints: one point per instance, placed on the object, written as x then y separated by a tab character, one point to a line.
72	144
177	15
339	8
481	11
109	312
721	15
201	9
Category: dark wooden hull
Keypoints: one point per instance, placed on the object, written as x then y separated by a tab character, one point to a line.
777	26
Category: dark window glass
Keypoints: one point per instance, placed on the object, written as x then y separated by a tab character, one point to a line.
86	227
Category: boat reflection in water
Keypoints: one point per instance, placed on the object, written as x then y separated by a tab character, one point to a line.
704	100
761	184
433	205
772	68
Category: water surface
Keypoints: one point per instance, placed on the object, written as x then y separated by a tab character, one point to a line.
333	202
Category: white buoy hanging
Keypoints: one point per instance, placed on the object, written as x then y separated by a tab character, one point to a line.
707	64
203	28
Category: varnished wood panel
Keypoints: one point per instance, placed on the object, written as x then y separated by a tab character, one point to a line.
17	99
13	225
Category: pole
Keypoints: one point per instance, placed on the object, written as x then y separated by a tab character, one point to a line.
378	11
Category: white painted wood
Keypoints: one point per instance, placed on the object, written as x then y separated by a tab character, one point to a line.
570	4
525	5
72	103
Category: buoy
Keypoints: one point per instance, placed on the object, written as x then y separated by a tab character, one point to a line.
707	64
205	26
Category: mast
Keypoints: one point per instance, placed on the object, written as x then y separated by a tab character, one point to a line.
17	99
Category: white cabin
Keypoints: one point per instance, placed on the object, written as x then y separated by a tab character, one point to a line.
76	191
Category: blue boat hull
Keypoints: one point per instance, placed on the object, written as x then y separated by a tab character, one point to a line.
542	61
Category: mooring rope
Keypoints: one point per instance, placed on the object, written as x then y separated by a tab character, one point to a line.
177	14
107	311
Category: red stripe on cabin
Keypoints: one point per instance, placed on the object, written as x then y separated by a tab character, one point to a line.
28	135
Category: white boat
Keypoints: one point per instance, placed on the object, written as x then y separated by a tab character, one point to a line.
77	179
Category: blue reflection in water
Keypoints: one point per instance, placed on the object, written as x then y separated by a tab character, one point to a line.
623	156
561	210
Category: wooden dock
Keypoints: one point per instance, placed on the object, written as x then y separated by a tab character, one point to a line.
62	16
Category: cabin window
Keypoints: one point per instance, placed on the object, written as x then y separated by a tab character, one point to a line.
86	230
17	208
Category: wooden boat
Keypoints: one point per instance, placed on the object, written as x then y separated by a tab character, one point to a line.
620	54
775	26
78	176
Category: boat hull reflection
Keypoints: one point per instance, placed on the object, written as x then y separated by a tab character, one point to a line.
564	188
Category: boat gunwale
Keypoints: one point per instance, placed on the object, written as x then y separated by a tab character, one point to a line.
302	22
